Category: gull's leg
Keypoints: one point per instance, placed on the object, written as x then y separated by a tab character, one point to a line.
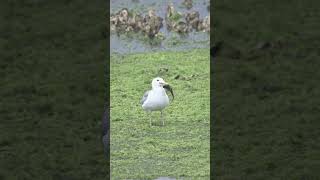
162	118
150	118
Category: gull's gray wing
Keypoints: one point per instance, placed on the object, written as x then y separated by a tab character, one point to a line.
144	97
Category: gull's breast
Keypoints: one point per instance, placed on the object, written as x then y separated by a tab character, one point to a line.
156	102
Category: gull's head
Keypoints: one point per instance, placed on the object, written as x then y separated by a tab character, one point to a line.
158	82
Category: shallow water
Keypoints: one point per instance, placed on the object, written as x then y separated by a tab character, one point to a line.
173	41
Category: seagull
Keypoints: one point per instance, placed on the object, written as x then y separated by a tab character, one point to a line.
156	99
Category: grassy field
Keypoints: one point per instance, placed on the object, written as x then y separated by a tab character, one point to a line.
181	147
266	100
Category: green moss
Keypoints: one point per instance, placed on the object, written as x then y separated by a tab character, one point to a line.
175	17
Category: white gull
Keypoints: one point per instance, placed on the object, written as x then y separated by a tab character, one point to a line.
155	99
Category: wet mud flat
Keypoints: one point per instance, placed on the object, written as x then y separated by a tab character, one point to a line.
146	26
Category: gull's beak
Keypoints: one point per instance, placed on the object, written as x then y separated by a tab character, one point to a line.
164	83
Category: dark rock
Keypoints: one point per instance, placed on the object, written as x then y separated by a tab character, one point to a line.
152	24
181	27
204	24
170	11
122	22
192	18
187	4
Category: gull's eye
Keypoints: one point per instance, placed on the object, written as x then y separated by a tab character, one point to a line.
157	79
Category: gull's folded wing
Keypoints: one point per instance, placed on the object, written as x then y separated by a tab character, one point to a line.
144	98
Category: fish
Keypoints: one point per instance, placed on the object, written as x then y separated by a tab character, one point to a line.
169	88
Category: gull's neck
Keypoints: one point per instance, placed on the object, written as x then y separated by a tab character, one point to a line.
158	89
